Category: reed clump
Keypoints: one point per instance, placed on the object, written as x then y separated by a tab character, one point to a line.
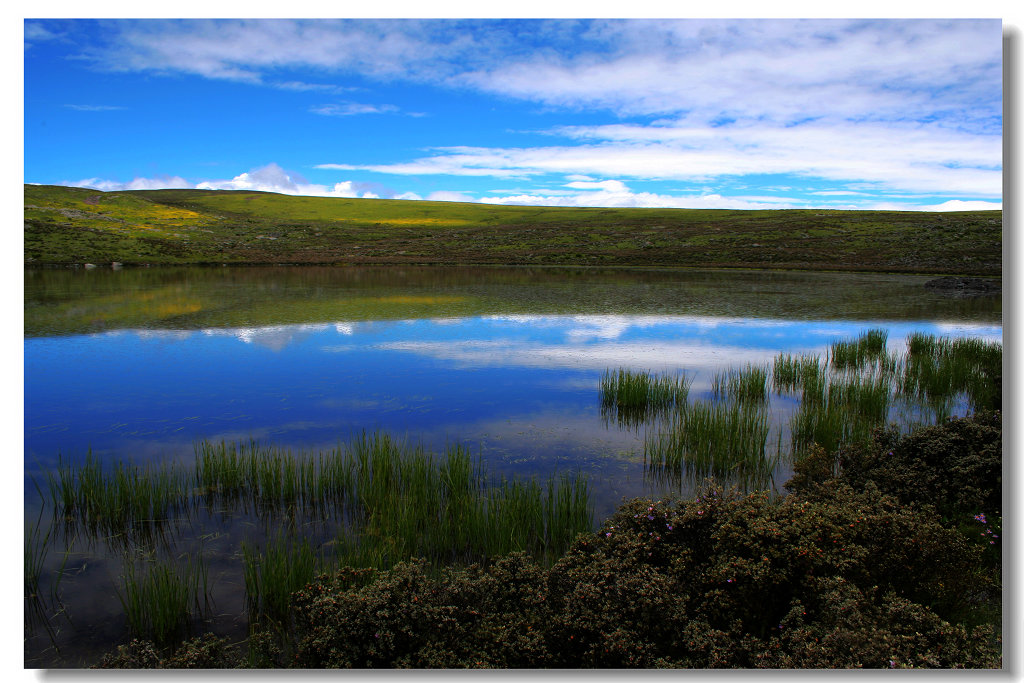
712	438
392	501
121	498
284	565
855	353
938	369
858	387
745	385
630	397
162	599
791	373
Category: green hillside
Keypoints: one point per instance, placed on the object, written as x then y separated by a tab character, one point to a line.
66	225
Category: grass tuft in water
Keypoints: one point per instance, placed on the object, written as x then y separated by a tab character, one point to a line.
855	353
712	438
162	599
630	396
285	565
746	385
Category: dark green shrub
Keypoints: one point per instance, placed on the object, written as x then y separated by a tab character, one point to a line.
955	466
203	652
837	579
409	617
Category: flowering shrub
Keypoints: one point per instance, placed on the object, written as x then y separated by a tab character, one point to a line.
203	652
955	466
841	579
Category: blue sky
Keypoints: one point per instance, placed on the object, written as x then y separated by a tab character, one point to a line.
863	114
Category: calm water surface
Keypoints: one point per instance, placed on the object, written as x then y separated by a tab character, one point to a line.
139	364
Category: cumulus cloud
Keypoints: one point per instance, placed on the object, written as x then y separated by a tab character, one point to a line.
159	183
961	205
273	178
269	178
607	193
449	196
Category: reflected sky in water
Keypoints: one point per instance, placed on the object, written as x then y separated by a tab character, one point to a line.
523	389
140	364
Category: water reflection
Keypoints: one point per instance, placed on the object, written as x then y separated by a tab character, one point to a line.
61	302
436	380
137	366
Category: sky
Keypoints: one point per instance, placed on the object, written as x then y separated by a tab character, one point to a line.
688	113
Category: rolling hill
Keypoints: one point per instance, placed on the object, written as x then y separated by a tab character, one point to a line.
65	225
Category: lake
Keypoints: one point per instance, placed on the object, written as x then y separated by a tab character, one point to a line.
140	364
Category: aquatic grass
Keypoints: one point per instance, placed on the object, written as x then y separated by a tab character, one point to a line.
939	369
746	385
121	499
161	600
631	396
854	353
448	511
395	501
285	565
37	546
711	438
790	371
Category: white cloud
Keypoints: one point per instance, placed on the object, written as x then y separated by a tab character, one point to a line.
36	32
607	185
960	205
852	106
247	50
904	158
353	109
302	86
160	183
777	70
447	196
623	197
269	178
93	107
273	178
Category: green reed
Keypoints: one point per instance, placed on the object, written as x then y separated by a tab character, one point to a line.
745	385
37	543
938	369
162	599
448	510
632	396
395	501
790	373
854	353
120	498
285	565
712	438
858	387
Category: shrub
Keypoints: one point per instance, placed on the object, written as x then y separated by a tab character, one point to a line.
203	652
407	617
837	579
955	466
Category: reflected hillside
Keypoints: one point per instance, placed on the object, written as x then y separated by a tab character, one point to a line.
61	302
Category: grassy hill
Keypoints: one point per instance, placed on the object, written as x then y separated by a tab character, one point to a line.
66	225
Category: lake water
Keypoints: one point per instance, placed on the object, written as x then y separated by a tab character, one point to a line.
139	364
